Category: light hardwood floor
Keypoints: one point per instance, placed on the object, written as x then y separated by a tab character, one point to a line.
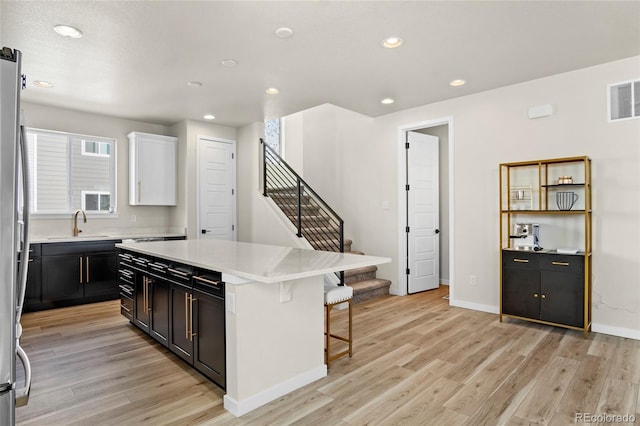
416	361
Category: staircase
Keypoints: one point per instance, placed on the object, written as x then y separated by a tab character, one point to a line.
316	222
363	280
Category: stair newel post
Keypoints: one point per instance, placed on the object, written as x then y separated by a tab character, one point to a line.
264	167
299	185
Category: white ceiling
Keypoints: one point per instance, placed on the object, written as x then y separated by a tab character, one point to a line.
136	58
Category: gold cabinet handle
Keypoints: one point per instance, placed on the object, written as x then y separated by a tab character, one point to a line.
182	274
544	296
560	263
87	263
148	295
125	308
81	270
186	316
521	260
535	295
191	333
204	280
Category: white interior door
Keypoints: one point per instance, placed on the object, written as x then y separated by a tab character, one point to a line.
216	189
423	253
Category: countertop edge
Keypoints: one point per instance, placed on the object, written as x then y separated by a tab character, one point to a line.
360	262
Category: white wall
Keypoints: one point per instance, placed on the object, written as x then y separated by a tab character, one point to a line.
352	161
148	218
259	220
185	215
492	127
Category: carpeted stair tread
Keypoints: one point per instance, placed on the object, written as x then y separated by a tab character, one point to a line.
369	289
358	271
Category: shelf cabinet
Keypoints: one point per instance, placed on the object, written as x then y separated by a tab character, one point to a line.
545	287
152	169
550	283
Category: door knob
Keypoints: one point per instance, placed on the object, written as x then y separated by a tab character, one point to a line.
437	231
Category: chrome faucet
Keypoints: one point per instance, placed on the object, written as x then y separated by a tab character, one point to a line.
76	231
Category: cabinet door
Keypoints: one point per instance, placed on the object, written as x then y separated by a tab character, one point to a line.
152	170
62	277
33	293
141	302
100	275
159	320
519	289
209	355
563	298
181	342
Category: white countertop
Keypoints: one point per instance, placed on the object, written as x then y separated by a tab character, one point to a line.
99	237
256	262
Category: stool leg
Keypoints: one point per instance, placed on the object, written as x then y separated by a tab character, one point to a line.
350	332
327	337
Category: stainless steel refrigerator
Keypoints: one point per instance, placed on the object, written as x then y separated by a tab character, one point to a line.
14	235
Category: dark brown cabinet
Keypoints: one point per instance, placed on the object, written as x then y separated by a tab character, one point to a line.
180	306
181	320
209	344
74	273
543	286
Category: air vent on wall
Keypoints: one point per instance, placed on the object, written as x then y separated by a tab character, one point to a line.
624	100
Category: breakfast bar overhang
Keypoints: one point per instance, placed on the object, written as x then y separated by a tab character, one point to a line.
273	311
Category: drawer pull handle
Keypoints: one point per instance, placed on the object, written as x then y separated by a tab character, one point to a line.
174	271
560	263
521	260
125	308
204	280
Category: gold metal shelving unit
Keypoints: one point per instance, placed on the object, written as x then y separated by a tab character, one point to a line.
542	177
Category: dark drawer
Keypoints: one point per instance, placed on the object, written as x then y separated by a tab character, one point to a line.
126	306
180	273
126	276
520	259
562	263
54	249
209	282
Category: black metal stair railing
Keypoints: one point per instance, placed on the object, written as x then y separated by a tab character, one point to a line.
313	218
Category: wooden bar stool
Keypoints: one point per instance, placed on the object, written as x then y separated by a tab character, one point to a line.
335	295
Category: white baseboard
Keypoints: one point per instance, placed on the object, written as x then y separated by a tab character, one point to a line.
616	331
444	282
238	408
474	306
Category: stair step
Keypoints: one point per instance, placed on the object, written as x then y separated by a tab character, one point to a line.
360	274
369	289
354	252
347	245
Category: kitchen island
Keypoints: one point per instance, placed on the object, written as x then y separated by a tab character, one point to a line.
273	310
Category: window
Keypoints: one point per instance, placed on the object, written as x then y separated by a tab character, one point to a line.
96	201
624	100
70	172
96	148
272	134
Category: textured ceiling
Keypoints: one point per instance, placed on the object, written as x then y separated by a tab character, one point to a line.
136	57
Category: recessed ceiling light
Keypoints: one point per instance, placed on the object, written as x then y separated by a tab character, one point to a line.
284	32
272	91
44	84
67	31
387	101
392	42
229	62
194	84
209	117
456	83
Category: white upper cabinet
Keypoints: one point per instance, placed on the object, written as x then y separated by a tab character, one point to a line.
152	169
